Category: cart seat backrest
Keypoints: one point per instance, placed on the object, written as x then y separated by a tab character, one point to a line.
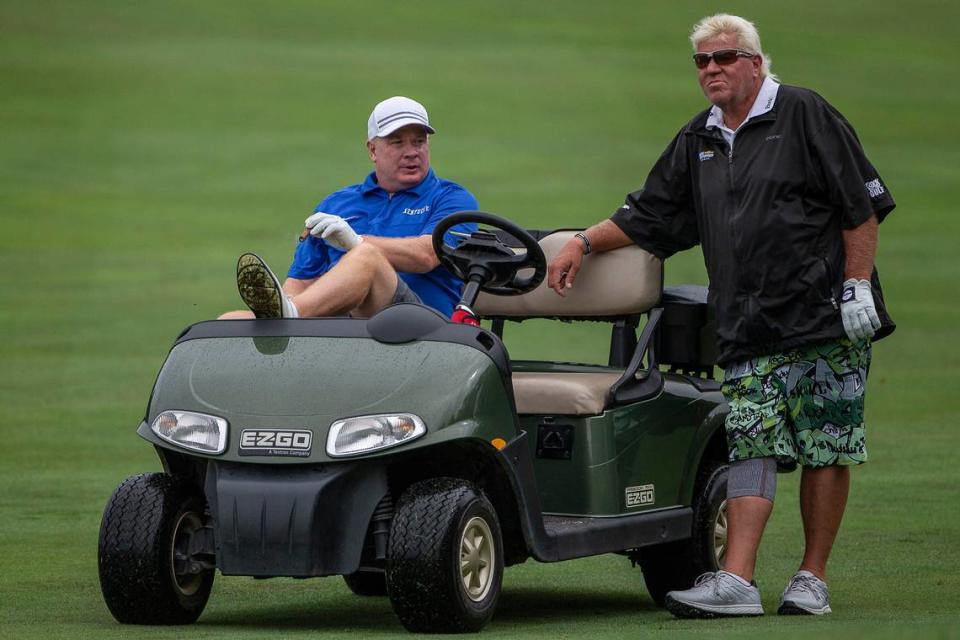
609	285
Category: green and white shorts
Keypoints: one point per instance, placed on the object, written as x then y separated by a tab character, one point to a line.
803	406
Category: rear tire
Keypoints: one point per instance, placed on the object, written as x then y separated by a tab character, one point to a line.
675	565
367	583
445	560
145	573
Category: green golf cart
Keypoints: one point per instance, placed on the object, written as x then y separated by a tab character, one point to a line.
412	456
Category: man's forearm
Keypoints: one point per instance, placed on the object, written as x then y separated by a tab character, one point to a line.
606	236
407	255
860	246
563	269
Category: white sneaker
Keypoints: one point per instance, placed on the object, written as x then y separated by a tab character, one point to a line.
805	595
261	290
716	595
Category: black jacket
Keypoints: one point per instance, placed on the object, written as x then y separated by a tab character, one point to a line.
769	217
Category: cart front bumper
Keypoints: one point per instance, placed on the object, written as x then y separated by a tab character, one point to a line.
292	520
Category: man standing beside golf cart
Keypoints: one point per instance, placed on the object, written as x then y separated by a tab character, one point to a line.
368	246
772	182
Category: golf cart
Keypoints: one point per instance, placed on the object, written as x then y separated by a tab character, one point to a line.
412	456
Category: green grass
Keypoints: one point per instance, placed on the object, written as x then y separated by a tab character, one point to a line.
144	145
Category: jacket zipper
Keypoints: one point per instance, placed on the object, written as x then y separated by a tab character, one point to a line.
833	298
731	193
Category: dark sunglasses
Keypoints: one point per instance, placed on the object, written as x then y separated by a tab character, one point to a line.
722	57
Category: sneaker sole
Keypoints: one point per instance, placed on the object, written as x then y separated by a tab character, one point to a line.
684	610
793	609
258	287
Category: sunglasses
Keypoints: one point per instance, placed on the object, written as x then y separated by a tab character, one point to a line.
721	56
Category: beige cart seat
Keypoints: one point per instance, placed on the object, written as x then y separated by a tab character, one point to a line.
609	286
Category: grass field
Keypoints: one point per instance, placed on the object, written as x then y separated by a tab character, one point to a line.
144	145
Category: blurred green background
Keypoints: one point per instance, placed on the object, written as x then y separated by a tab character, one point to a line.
144	145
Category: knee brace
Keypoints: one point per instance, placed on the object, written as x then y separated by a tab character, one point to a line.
754	477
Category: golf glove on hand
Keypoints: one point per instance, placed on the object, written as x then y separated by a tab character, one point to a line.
334	230
859	313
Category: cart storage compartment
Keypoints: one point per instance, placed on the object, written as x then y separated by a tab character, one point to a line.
686	338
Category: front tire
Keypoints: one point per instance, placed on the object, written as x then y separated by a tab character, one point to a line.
147	572
445	560
675	565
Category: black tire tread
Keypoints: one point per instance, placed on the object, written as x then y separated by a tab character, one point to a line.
421	536
133	546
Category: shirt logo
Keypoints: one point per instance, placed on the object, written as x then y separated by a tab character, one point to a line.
416	212
706	155
874	188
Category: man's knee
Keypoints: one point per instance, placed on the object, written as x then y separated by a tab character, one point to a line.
365	255
371	262
753	477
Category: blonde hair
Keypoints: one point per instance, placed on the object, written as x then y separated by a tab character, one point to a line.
724	24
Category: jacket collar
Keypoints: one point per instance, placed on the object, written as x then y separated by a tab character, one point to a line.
705	124
762	105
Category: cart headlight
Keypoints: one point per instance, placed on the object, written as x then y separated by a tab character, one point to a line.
190	430
370	433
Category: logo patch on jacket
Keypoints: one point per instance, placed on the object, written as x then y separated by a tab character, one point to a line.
706	155
874	188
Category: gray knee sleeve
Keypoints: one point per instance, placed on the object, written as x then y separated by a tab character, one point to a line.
754	477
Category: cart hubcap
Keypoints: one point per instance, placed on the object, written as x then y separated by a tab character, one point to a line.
476	559
720	533
187	583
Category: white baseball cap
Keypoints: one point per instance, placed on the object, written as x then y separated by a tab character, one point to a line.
396	112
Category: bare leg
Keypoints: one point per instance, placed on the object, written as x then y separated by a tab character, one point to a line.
746	519
823	499
237	315
362	282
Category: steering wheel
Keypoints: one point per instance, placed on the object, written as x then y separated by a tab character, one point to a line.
483	259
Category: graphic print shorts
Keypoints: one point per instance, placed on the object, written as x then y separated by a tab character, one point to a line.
803	406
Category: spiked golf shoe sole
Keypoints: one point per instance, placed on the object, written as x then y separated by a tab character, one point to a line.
258	287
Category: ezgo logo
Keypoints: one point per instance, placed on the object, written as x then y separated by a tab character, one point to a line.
639	496
269	442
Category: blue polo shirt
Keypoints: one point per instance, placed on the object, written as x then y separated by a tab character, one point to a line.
412	212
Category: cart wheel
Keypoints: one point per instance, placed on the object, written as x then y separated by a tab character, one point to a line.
148	571
367	583
675	565
445	560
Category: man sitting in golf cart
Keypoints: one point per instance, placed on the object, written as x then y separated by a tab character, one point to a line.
368	245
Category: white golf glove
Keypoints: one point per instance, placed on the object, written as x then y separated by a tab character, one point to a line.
859	313
334	230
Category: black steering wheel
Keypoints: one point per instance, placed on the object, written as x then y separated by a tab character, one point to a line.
483	259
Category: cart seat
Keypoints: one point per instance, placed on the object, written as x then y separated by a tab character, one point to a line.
610	286
570	394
